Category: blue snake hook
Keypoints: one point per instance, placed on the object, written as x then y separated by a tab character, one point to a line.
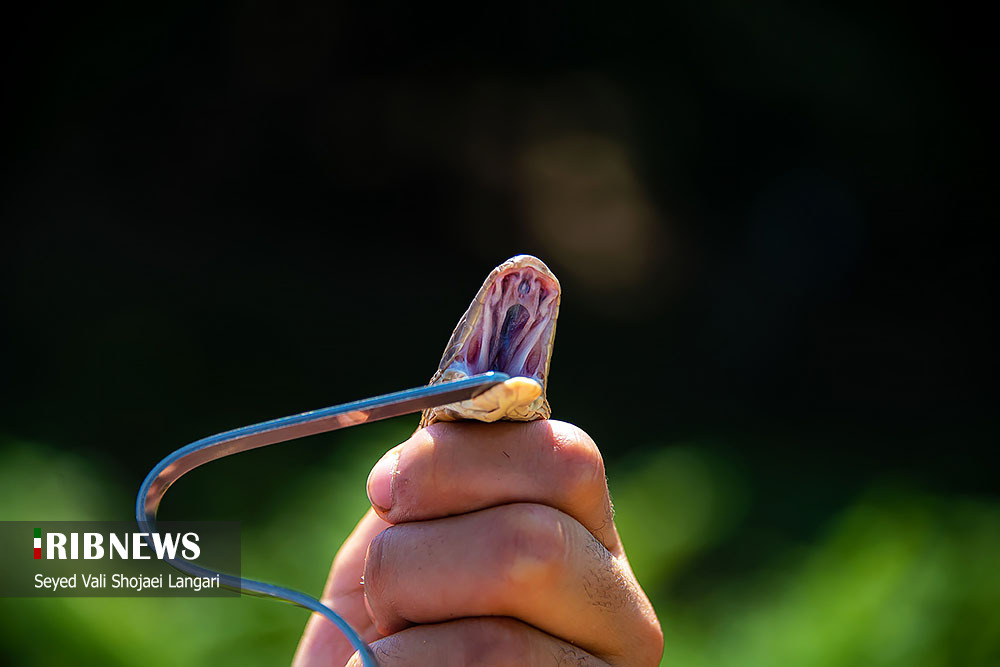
187	458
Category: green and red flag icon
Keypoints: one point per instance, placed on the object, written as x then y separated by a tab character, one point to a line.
38	543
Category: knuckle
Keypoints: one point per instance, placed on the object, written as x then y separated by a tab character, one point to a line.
648	644
494	643
376	566
419	472
532	547
422	445
382	579
580	465
652	646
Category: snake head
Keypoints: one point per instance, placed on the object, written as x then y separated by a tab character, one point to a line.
509	327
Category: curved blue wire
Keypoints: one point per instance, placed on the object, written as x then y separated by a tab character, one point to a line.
187	458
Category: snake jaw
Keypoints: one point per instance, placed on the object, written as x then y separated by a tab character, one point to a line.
509	327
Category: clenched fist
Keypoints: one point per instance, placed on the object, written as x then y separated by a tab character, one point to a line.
487	545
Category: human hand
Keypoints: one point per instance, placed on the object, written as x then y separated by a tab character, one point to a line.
487	545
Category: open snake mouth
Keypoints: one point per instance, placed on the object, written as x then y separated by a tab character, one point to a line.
514	332
509	327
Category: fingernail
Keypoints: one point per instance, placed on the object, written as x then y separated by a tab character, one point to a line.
380	480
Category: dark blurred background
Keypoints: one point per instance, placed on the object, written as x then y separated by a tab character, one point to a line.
767	221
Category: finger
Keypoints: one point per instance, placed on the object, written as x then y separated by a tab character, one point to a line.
526	561
484	642
453	468
322	643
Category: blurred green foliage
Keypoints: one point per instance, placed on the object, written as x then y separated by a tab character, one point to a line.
899	577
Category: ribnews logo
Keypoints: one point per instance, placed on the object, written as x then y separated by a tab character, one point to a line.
91	545
114	559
